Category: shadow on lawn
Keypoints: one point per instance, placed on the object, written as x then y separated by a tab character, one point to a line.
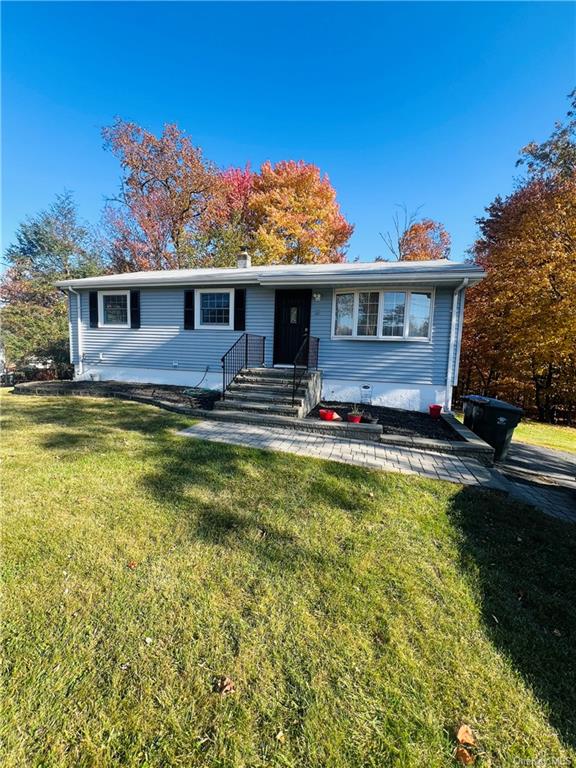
522	563
218	490
525	564
87	422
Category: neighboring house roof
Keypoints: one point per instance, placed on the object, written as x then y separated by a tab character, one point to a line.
437	271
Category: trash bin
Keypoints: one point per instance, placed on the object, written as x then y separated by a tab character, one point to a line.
493	420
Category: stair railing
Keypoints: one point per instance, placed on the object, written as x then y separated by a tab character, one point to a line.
247	351
306	359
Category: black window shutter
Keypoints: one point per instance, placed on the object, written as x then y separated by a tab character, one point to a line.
134	309
188	310
93	296
240	309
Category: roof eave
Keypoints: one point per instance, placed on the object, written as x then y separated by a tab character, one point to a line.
275	280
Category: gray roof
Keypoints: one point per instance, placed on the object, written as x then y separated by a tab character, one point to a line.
437	271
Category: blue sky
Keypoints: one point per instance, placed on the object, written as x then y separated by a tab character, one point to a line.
416	103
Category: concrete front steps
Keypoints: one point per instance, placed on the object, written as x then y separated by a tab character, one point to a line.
267	392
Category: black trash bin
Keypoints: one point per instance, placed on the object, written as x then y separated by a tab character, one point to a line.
493	420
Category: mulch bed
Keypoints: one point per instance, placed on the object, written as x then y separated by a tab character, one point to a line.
193	398
395	421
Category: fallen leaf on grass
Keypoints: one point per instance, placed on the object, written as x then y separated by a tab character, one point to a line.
132	565
224	685
463	756
280	737
465	736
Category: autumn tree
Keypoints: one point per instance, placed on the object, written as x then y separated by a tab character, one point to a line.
166	189
296	218
177	210
414	239
520	322
53	245
228	223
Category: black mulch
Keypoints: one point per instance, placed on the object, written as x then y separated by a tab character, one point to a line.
194	398
395	421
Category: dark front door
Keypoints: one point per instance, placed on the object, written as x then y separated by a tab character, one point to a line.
291	323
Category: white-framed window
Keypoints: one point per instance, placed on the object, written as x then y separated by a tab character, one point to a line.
114	309
385	314
214	308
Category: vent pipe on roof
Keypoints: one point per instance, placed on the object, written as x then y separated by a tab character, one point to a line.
244	261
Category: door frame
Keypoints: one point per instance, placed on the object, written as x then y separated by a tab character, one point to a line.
277	326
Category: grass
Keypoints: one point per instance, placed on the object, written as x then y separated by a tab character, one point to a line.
546	435
361	615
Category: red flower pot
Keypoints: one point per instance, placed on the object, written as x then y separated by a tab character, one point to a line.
435	411
326	414
354	418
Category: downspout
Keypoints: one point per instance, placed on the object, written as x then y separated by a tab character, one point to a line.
450	378
79	330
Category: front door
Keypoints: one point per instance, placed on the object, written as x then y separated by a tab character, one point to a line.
291	323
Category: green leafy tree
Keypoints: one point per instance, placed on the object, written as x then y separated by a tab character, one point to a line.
53	245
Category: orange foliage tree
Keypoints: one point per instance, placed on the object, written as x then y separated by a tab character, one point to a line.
176	210
425	240
520	322
416	240
296	218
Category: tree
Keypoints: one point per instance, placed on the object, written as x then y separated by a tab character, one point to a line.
520	322
177	210
415	239
228	223
51	246
557	155
297	219
166	189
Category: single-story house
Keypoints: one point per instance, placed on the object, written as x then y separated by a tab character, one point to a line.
392	328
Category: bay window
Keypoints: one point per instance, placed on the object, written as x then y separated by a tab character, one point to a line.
382	314
344	314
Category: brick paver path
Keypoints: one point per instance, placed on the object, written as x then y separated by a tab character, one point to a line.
466	471
542	477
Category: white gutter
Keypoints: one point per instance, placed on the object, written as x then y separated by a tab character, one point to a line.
78	332
459	339
450	378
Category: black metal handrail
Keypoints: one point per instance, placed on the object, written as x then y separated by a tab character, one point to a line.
306	359
247	351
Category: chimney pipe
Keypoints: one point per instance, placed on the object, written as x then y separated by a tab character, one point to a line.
243	261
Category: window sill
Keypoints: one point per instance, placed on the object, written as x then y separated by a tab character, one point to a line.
213	328
107	325
382	338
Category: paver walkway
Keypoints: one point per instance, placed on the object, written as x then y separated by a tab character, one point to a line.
542	477
466	471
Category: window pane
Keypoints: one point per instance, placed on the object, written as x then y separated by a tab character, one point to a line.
419	314
368	313
115	309
344	314
393	317
214	308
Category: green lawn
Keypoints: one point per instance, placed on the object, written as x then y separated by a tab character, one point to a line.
547	435
360	615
